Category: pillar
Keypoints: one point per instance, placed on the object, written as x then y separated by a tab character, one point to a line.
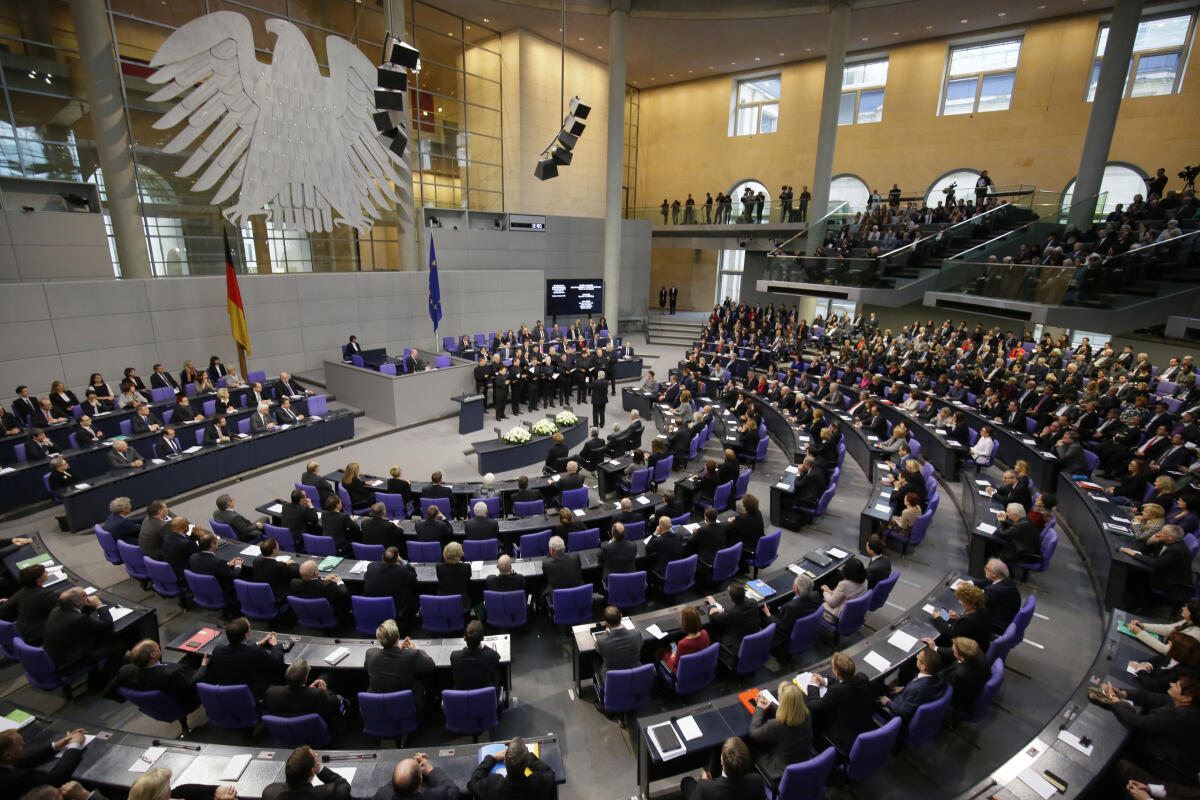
831	99
102	86
1107	102
618	24
409	234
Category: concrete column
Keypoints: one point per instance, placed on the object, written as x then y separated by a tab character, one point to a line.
1103	119
410	234
831	98
618	23
102	85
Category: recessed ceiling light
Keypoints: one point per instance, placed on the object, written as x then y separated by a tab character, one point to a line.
808	49
468	27
670	74
757	58
654	79
581	38
895	33
690	71
710	66
439	109
449	33
866	38
928	27
599	47
963	21
485	19
1002	14
731	63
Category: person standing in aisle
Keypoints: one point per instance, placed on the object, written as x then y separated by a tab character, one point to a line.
674	295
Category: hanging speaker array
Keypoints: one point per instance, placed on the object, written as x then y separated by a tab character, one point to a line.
559	151
399	60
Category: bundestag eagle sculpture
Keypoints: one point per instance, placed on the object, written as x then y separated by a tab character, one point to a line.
293	145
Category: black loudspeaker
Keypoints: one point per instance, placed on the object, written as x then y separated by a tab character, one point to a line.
561	156
386	100
573	126
398	52
392	78
567	140
399	142
383	121
579	108
546	169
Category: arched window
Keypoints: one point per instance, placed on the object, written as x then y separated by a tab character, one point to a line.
1119	184
755	187
965	178
850	188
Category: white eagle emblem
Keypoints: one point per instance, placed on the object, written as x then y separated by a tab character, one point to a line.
300	147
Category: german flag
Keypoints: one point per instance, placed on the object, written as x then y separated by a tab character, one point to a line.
233	299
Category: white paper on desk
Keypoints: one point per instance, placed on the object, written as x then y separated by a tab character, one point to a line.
119	612
82	485
89	591
1043	787
689	728
1099	498
645	501
336	656
157	461
882	507
146	760
958	583
795	569
836	552
87	739
235	767
242	435
985	527
315	418
194	449
983	493
784	486
982	483
345	772
251	550
612	462
627	623
284	559
1027	440
6	470
554	478
276	508
903	640
793	469
655	631
1073	741
886	494
928	608
692	527
359	567
617	505
877	661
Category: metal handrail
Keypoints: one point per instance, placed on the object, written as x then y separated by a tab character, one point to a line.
974	219
838	209
1040	220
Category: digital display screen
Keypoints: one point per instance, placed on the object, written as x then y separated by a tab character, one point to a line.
574	298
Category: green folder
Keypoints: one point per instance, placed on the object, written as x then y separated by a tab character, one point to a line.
329	563
44	558
1123	628
19	718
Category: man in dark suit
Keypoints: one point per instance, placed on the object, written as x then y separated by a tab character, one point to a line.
261	420
746	527
338	525
312	478
119	523
742	618
617	555
1012	490
259	665
738	779
298	697
298	514
287	386
80	632
154	527
1000	593
524	494
561	569
217	432
161	379
708	538
145	671
926	687
573	479
30	605
592	451
480	527
45	415
145	422
285	414
805	600
1170	562
245	529
207	562
617	647
24	769
417	779
475	666
178	546
39	447
599	389
398	665
268	570
25	404
879	567
311	586
168	446
557	456
505	580
487	785
436	488
1071	459
1175	458
378	529
392	577
435	527
123	456
664	546
966	672
1022	538
303	765
810	483
256	395
845	709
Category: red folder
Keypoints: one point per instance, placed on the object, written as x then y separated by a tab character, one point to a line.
199	639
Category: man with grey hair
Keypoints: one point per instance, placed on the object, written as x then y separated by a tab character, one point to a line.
261	420
561	569
599	398
119	523
804	602
244	529
572	480
378	529
298	697
592	451
1021	537
481	527
1000	594
79	634
1170	562
123	456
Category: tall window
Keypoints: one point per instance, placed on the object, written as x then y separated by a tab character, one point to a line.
756	106
964	181
851	189
1118	185
862	92
730	266
1159	49
980	77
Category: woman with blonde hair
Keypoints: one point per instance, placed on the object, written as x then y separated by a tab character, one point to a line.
1149	522
361	495
155	784
223	401
453	576
784	737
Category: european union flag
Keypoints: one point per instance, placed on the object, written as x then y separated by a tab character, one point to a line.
435	291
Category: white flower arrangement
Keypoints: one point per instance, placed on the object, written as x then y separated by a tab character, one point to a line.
566	419
517	435
544	427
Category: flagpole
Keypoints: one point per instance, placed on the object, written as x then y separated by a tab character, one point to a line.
242	361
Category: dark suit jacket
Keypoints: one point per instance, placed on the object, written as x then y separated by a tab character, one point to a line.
117	460
391	669
810	487
150	537
208	563
707	540
967	680
618	557
1003	601
28	609
747	529
336	593
735	624
297	518
845	711
779	745
481	528
1164	730
284	701
163	380
505	583
483	785
260	422
124	528
163	448
70	635
343	530
437	785
664	549
213	433
248	663
977	626
140	424
177	681
277	573
562	571
436	531
748	787
177	548
794	609
333	787
916	692
397	581
619	648
1172	565
244	528
475	669
38	766
877	569
324	487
